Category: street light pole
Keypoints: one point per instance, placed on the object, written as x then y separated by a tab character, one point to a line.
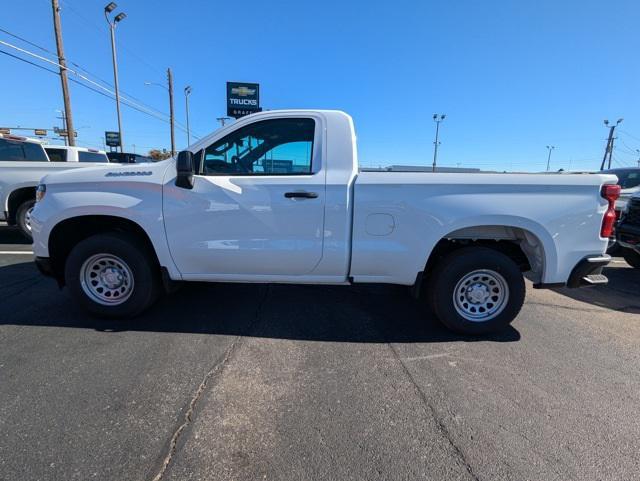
187	92
608	151
550	149
112	28
437	119
169	90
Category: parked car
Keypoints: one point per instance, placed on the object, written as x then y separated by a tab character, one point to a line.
629	182
628	232
128	158
278	197
65	153
23	162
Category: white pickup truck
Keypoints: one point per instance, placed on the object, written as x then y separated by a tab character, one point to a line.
23	162
278	197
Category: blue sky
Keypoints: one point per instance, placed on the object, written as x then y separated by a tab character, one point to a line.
512	75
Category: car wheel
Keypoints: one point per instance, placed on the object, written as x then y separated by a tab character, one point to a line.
23	218
632	258
476	290
112	276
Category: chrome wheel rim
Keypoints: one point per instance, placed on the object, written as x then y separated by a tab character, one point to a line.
27	219
106	279
481	295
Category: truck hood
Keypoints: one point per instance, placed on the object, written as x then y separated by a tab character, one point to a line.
108	173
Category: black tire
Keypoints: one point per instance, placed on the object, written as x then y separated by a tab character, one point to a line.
453	268
632	258
22	218
142	267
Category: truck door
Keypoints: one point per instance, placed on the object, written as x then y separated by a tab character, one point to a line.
257	205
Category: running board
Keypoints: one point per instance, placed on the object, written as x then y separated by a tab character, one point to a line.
595	279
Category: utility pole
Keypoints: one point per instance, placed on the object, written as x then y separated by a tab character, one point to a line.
550	149
171	116
437	119
187	92
57	26
608	151
112	27
222	120
638	152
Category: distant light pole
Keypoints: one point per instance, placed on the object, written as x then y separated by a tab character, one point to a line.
222	120
437	118
112	27
608	151
550	149
187	92
169	89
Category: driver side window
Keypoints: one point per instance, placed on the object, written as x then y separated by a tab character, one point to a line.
268	147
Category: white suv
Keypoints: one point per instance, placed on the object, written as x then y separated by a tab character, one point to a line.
64	153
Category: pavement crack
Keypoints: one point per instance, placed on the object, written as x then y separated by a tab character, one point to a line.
216	370
439	422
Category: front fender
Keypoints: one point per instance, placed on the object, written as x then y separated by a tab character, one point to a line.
140	203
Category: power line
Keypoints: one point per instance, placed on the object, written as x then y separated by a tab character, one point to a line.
77	66
108	93
630	135
102	27
141	104
29	62
29	42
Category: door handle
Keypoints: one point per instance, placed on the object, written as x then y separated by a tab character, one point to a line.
301	195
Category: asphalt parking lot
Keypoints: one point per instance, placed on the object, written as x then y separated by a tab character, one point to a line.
224	382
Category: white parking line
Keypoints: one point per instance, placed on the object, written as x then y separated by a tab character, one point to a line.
26	253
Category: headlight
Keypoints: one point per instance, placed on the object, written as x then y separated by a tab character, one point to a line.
41	190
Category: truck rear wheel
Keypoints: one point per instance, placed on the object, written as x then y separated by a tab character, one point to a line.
632	258
111	276
23	217
476	290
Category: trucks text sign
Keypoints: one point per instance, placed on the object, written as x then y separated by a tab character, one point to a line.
112	139
242	99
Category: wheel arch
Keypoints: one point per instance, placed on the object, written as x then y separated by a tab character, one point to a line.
530	247
16	198
69	232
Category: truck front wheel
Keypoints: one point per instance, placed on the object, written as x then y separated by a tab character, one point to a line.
112	275
23	217
476	290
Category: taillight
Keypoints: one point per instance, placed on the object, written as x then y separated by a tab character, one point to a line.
610	192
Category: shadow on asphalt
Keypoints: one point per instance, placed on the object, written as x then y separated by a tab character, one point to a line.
11	235
621	294
358	314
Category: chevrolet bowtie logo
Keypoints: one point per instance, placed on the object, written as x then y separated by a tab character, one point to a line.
243	91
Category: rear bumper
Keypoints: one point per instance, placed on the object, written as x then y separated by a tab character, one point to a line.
588	271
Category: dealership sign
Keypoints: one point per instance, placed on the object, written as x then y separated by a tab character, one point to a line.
242	99
112	139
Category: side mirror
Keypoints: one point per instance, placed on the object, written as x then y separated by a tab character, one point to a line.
185	170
